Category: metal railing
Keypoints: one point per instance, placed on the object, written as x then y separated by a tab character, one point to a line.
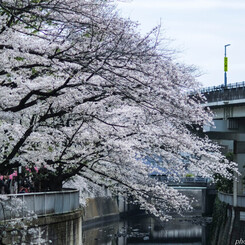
233	91
228	198
184	181
222	87
40	203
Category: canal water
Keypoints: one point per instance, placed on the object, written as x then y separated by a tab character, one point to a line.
147	230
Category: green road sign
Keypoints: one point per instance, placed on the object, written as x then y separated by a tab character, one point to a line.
226	64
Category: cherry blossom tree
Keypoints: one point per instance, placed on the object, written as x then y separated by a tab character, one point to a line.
83	93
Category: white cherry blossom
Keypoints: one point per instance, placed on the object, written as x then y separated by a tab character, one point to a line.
82	93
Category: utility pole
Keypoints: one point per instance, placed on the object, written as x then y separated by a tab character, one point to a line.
226	65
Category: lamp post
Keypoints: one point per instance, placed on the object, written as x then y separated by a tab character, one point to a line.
226	65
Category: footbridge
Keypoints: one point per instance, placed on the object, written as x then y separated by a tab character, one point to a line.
198	189
203	196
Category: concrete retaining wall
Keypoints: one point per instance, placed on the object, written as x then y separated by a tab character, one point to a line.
59	229
229	225
100	209
66	229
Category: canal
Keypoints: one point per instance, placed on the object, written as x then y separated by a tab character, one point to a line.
144	229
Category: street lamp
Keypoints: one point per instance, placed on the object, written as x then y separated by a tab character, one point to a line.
226	65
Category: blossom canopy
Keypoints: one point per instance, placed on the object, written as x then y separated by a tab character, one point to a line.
83	93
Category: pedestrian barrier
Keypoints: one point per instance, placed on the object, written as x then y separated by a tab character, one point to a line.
39	203
228	198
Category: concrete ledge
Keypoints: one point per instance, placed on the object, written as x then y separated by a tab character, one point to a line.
58	218
100	220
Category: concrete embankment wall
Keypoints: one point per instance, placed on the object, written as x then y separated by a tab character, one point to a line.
100	209
66	229
106	209
228	227
58	229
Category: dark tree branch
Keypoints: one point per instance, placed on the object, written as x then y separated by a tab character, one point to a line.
43	95
18	145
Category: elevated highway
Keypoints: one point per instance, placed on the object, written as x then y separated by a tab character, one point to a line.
233	93
228	106
226	102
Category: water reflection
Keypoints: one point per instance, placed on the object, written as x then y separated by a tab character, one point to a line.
146	230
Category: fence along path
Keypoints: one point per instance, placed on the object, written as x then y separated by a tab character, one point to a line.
40	203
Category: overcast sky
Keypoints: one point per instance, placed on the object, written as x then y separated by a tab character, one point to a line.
199	29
